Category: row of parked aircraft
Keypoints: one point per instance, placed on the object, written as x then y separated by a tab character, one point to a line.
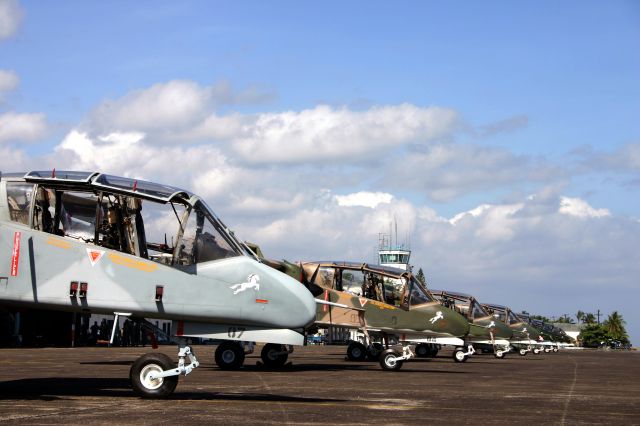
89	242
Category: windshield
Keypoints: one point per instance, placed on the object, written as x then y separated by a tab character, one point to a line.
230	235
418	295
513	319
204	239
478	310
499	314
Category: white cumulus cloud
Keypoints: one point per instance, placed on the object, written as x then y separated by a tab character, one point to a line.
364	199
341	134
10	18
9	80
580	208
16	127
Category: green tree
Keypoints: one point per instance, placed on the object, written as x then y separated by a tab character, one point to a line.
589	318
565	319
420	277
614	324
595	335
580	316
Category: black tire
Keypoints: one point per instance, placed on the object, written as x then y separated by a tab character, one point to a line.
158	388
555	349
433	352
522	352
356	351
229	356
374	350
536	351
500	354
459	356
272	355
423	351
388	362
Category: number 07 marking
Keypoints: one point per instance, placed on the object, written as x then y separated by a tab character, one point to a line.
236	332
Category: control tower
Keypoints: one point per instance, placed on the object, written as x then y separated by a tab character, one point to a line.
393	254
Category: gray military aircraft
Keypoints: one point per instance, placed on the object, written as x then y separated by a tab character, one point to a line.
94	243
485	331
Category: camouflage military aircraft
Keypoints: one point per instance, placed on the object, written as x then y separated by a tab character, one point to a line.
525	337
485	331
542	341
554	337
93	243
385	304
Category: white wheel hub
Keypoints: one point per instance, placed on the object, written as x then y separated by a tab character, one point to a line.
390	360
460	355
147	381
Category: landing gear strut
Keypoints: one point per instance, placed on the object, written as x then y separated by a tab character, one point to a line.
154	375
459	355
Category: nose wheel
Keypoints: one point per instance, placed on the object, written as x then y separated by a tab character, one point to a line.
155	375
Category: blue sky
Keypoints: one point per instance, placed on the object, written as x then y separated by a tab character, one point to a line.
446	106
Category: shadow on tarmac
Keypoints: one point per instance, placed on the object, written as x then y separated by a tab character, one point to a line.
52	389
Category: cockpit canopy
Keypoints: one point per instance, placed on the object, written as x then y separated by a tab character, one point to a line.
464	304
150	220
383	284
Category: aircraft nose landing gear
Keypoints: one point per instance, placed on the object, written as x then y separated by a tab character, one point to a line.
154	375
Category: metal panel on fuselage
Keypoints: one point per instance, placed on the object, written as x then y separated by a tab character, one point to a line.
428	320
120	282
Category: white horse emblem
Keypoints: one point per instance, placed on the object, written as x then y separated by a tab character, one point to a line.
437	317
253	281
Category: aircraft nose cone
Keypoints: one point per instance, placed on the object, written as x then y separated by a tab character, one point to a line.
303	312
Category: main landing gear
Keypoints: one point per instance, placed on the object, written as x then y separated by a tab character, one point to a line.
426	350
356	351
230	355
155	375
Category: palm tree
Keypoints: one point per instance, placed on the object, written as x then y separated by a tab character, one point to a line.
615	325
580	316
589	318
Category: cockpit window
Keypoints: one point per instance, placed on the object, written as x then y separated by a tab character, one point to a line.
77	215
513	319
394	290
478	311
418	295
202	240
352	281
19	199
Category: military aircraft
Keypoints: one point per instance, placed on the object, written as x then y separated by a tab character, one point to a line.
554	337
385	304
544	339
525	337
94	243
485	331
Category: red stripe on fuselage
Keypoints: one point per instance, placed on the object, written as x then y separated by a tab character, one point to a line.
15	255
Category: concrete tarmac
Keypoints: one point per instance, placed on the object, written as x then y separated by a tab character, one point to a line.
91	386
